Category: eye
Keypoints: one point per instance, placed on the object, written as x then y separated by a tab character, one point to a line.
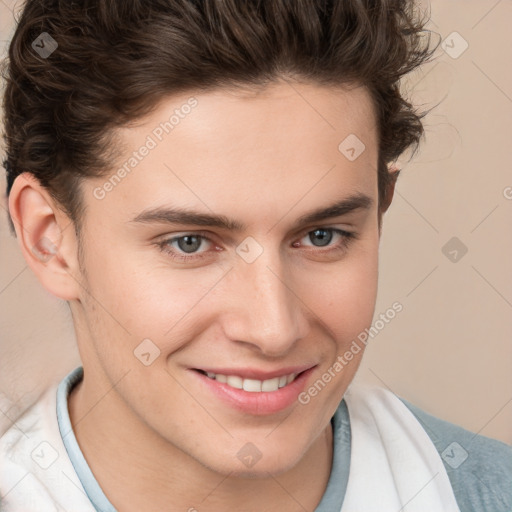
322	237
187	246
188	243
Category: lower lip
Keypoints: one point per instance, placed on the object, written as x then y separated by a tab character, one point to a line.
257	403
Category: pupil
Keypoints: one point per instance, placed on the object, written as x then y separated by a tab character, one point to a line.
322	235
189	243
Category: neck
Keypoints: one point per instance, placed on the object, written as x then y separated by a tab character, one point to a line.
153	474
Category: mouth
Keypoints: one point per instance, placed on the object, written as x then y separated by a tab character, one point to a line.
252	391
252	385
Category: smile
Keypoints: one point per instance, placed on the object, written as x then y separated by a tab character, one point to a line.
253	391
253	385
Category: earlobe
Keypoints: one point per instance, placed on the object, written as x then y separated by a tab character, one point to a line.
45	235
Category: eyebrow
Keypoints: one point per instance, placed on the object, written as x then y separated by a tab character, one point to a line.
167	215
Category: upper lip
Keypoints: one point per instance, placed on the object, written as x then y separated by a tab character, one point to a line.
253	373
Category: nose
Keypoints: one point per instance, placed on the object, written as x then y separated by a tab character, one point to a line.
266	312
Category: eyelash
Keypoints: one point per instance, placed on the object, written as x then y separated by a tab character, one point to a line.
346	238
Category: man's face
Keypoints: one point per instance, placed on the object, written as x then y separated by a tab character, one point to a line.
279	295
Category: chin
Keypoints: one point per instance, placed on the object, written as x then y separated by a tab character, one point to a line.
254	463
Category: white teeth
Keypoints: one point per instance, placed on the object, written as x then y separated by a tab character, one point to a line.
291	378
253	385
235	382
270	384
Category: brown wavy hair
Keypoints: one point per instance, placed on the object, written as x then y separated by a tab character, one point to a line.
117	58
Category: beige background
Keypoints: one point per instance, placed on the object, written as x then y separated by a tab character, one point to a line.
449	351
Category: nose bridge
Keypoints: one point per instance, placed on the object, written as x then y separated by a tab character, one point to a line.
270	316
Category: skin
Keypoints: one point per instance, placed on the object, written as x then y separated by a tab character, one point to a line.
154	437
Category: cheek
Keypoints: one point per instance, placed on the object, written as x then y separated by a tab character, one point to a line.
343	295
344	302
131	299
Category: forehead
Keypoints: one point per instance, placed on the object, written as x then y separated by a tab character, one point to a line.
252	146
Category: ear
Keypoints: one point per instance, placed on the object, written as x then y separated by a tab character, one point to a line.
46	236
390	191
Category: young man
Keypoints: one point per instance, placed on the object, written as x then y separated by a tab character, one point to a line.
204	183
